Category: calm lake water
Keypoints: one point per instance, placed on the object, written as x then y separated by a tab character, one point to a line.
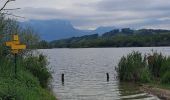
85	73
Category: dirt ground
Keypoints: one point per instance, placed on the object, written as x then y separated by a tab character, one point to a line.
161	93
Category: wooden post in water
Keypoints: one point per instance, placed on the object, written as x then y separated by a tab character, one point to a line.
62	79
107	74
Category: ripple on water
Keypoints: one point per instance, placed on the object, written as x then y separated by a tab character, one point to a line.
85	74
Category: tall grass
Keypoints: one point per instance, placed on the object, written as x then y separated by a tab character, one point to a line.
137	68
133	68
37	66
31	82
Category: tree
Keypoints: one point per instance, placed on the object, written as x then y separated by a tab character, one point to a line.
29	37
127	31
5	11
43	45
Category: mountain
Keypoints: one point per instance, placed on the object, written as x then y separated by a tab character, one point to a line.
59	29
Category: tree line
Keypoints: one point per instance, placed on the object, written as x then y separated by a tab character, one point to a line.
125	37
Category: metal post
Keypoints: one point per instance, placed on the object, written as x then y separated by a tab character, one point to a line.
15	61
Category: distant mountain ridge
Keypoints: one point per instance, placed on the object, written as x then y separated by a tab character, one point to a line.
59	29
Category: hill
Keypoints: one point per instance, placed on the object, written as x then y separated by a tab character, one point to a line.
125	37
60	29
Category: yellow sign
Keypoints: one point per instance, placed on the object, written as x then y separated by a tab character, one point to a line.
18	47
12	43
16	38
15	44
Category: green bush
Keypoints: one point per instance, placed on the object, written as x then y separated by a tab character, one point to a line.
37	66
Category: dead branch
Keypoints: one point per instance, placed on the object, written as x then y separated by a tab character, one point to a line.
13	15
5	4
11	9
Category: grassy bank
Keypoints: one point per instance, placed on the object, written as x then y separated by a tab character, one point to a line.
31	82
152	69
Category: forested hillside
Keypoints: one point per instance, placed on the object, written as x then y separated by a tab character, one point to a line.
125	37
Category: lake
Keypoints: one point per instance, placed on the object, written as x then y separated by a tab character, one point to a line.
85	73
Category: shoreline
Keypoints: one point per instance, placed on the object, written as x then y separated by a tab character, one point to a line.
160	92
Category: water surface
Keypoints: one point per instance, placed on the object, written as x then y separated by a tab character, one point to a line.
85	74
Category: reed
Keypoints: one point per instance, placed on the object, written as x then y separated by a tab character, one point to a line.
137	68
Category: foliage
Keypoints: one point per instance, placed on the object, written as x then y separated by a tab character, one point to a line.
29	37
165	66
116	38
133	68
37	66
32	75
155	62
166	77
43	44
138	68
27	86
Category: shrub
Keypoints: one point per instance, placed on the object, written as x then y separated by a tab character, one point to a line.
37	66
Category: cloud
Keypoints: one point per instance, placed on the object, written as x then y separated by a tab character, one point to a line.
91	14
132	5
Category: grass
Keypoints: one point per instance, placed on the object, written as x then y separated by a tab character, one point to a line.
153	68
133	68
31	82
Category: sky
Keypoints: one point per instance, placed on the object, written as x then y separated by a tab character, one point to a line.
89	14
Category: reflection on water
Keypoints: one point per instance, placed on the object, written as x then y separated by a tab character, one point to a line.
85	74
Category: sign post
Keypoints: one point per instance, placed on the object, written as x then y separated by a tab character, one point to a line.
15	48
15	61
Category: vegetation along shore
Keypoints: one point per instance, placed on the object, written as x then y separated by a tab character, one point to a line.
125	37
152	70
30	82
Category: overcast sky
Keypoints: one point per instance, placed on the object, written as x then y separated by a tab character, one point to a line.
89	14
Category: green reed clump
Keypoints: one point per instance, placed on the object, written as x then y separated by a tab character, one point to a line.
137	68
133	68
155	62
159	67
165	79
165	71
